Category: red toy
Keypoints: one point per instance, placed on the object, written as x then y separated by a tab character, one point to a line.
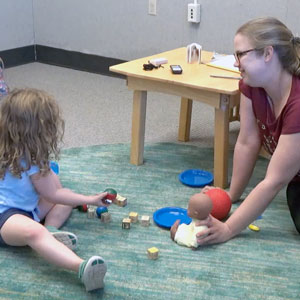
221	203
83	207
111	194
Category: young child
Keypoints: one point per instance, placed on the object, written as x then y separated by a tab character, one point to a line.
199	208
31	128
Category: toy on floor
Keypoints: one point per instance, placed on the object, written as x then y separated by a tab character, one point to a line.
91	212
254	227
153	253
83	208
199	208
126	223
196	177
120	201
145	221
166	216
105	217
134	217
221	203
100	210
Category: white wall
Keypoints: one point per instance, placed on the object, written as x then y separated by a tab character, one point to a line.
123	29
16	23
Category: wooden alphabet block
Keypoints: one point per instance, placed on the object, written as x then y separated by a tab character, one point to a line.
91	212
120	201
126	223
145	221
134	217
105	217
152	253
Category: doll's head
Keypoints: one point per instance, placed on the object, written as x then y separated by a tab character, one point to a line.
200	206
30	129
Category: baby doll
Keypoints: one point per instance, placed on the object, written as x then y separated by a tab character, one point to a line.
199	208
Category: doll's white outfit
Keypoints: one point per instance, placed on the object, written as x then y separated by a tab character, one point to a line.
186	234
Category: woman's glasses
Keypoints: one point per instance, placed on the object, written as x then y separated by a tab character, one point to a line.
239	54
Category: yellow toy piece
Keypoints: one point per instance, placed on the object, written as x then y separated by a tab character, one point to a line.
254	227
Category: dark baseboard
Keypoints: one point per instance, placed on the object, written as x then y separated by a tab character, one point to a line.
77	60
59	57
18	56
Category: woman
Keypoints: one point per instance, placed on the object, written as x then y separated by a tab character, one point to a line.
267	55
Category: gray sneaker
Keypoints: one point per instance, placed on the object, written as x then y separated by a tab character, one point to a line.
69	239
92	272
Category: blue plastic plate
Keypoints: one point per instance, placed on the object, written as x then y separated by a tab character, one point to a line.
196	177
166	216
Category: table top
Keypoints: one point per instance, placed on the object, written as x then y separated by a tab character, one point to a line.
194	75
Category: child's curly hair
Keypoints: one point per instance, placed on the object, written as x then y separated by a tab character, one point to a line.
31	128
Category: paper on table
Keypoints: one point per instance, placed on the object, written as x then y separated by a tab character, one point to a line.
224	62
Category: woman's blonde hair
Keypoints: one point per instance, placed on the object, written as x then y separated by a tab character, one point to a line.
31	128
268	31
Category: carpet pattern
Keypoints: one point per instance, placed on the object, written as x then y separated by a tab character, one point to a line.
255	265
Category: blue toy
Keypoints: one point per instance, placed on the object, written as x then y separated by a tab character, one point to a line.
100	210
166	216
54	166
196	177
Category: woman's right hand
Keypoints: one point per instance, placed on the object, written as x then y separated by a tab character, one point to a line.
216	232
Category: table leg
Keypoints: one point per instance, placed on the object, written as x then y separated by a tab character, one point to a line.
138	127
185	119
221	143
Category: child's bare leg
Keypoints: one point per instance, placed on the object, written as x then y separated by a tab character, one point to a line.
20	230
54	214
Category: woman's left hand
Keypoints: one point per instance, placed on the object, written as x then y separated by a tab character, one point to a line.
217	232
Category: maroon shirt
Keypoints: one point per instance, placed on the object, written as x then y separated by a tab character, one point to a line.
270	128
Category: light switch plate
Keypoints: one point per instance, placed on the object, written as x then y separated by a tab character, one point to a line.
152	7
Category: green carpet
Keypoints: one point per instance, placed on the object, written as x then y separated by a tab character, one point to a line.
255	265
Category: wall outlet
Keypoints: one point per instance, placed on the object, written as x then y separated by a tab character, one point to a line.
152	7
194	13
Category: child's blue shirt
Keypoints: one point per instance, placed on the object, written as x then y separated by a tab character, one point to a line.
19	192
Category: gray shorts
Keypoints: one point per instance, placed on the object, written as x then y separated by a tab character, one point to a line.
7	214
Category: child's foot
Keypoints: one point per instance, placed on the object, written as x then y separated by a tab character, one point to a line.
69	239
92	272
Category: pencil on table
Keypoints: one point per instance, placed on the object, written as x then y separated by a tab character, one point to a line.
226	77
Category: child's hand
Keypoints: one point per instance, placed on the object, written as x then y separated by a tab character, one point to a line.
174	229
99	200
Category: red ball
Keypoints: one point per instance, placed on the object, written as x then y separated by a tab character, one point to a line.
83	207
221	203
111	194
